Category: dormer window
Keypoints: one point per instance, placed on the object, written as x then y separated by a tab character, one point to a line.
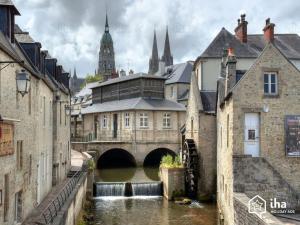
270	83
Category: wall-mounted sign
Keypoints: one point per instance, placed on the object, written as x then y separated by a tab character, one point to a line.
292	136
6	139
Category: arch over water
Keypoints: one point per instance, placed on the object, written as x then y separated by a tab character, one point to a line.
154	157
116	158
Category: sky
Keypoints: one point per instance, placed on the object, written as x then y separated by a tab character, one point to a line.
71	30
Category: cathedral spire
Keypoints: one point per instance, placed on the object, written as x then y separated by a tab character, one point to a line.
75	75
154	60
106	24
167	56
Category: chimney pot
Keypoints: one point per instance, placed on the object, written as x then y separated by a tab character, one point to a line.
269	30
241	29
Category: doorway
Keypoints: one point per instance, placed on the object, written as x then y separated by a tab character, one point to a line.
252	131
115	125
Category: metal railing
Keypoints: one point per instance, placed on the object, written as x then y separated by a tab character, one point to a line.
54	207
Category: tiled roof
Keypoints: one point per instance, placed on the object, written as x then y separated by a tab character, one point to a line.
10	3
179	73
208	99
288	44
134	104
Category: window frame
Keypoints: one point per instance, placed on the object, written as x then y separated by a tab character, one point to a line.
167	120
144	120
127	119
104	121
269	83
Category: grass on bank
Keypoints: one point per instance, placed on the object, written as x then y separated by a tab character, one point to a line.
170	162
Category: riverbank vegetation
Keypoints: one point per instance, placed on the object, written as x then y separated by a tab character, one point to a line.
170	162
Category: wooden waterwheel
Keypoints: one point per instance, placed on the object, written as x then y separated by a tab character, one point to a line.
190	161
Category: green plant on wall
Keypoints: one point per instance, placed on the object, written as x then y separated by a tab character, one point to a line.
91	164
169	161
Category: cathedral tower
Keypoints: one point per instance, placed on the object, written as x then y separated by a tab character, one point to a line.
106	65
154	60
167	56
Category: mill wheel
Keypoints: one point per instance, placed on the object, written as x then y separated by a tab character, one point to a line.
190	161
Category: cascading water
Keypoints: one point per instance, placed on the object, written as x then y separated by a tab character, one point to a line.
109	189
127	189
147	189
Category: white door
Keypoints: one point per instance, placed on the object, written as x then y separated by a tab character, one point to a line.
251	143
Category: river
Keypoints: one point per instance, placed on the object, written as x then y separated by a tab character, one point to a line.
145	210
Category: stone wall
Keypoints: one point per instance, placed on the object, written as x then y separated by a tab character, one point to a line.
249	179
173	181
33	127
242	216
71	209
272	128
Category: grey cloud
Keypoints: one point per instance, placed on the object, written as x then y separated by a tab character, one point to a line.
71	29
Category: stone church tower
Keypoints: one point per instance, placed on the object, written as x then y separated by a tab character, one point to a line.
106	65
167	57
154	60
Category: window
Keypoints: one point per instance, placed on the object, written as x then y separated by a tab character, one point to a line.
167	120
60	113
19	155
172	92
270	83
18	207
143	120
227	130
127	120
104	121
251	135
6	196
44	112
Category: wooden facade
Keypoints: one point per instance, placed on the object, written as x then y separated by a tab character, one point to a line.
144	87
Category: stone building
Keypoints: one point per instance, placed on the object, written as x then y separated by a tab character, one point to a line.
27	129
178	79
247	48
106	64
75	83
132	114
256	124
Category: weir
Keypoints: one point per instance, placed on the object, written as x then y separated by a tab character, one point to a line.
127	189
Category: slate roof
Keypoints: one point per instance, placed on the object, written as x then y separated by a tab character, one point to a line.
208	99
134	104
179	73
126	78
288	44
10	3
184	96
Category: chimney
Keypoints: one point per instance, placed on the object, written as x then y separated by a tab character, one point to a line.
269	31
241	29
230	71
223	62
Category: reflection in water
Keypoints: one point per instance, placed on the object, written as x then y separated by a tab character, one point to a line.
134	174
150	211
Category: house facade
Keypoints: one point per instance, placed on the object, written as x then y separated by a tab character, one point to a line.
256	124
26	120
247	48
132	113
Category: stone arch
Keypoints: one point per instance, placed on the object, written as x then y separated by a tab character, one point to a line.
154	157
116	158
